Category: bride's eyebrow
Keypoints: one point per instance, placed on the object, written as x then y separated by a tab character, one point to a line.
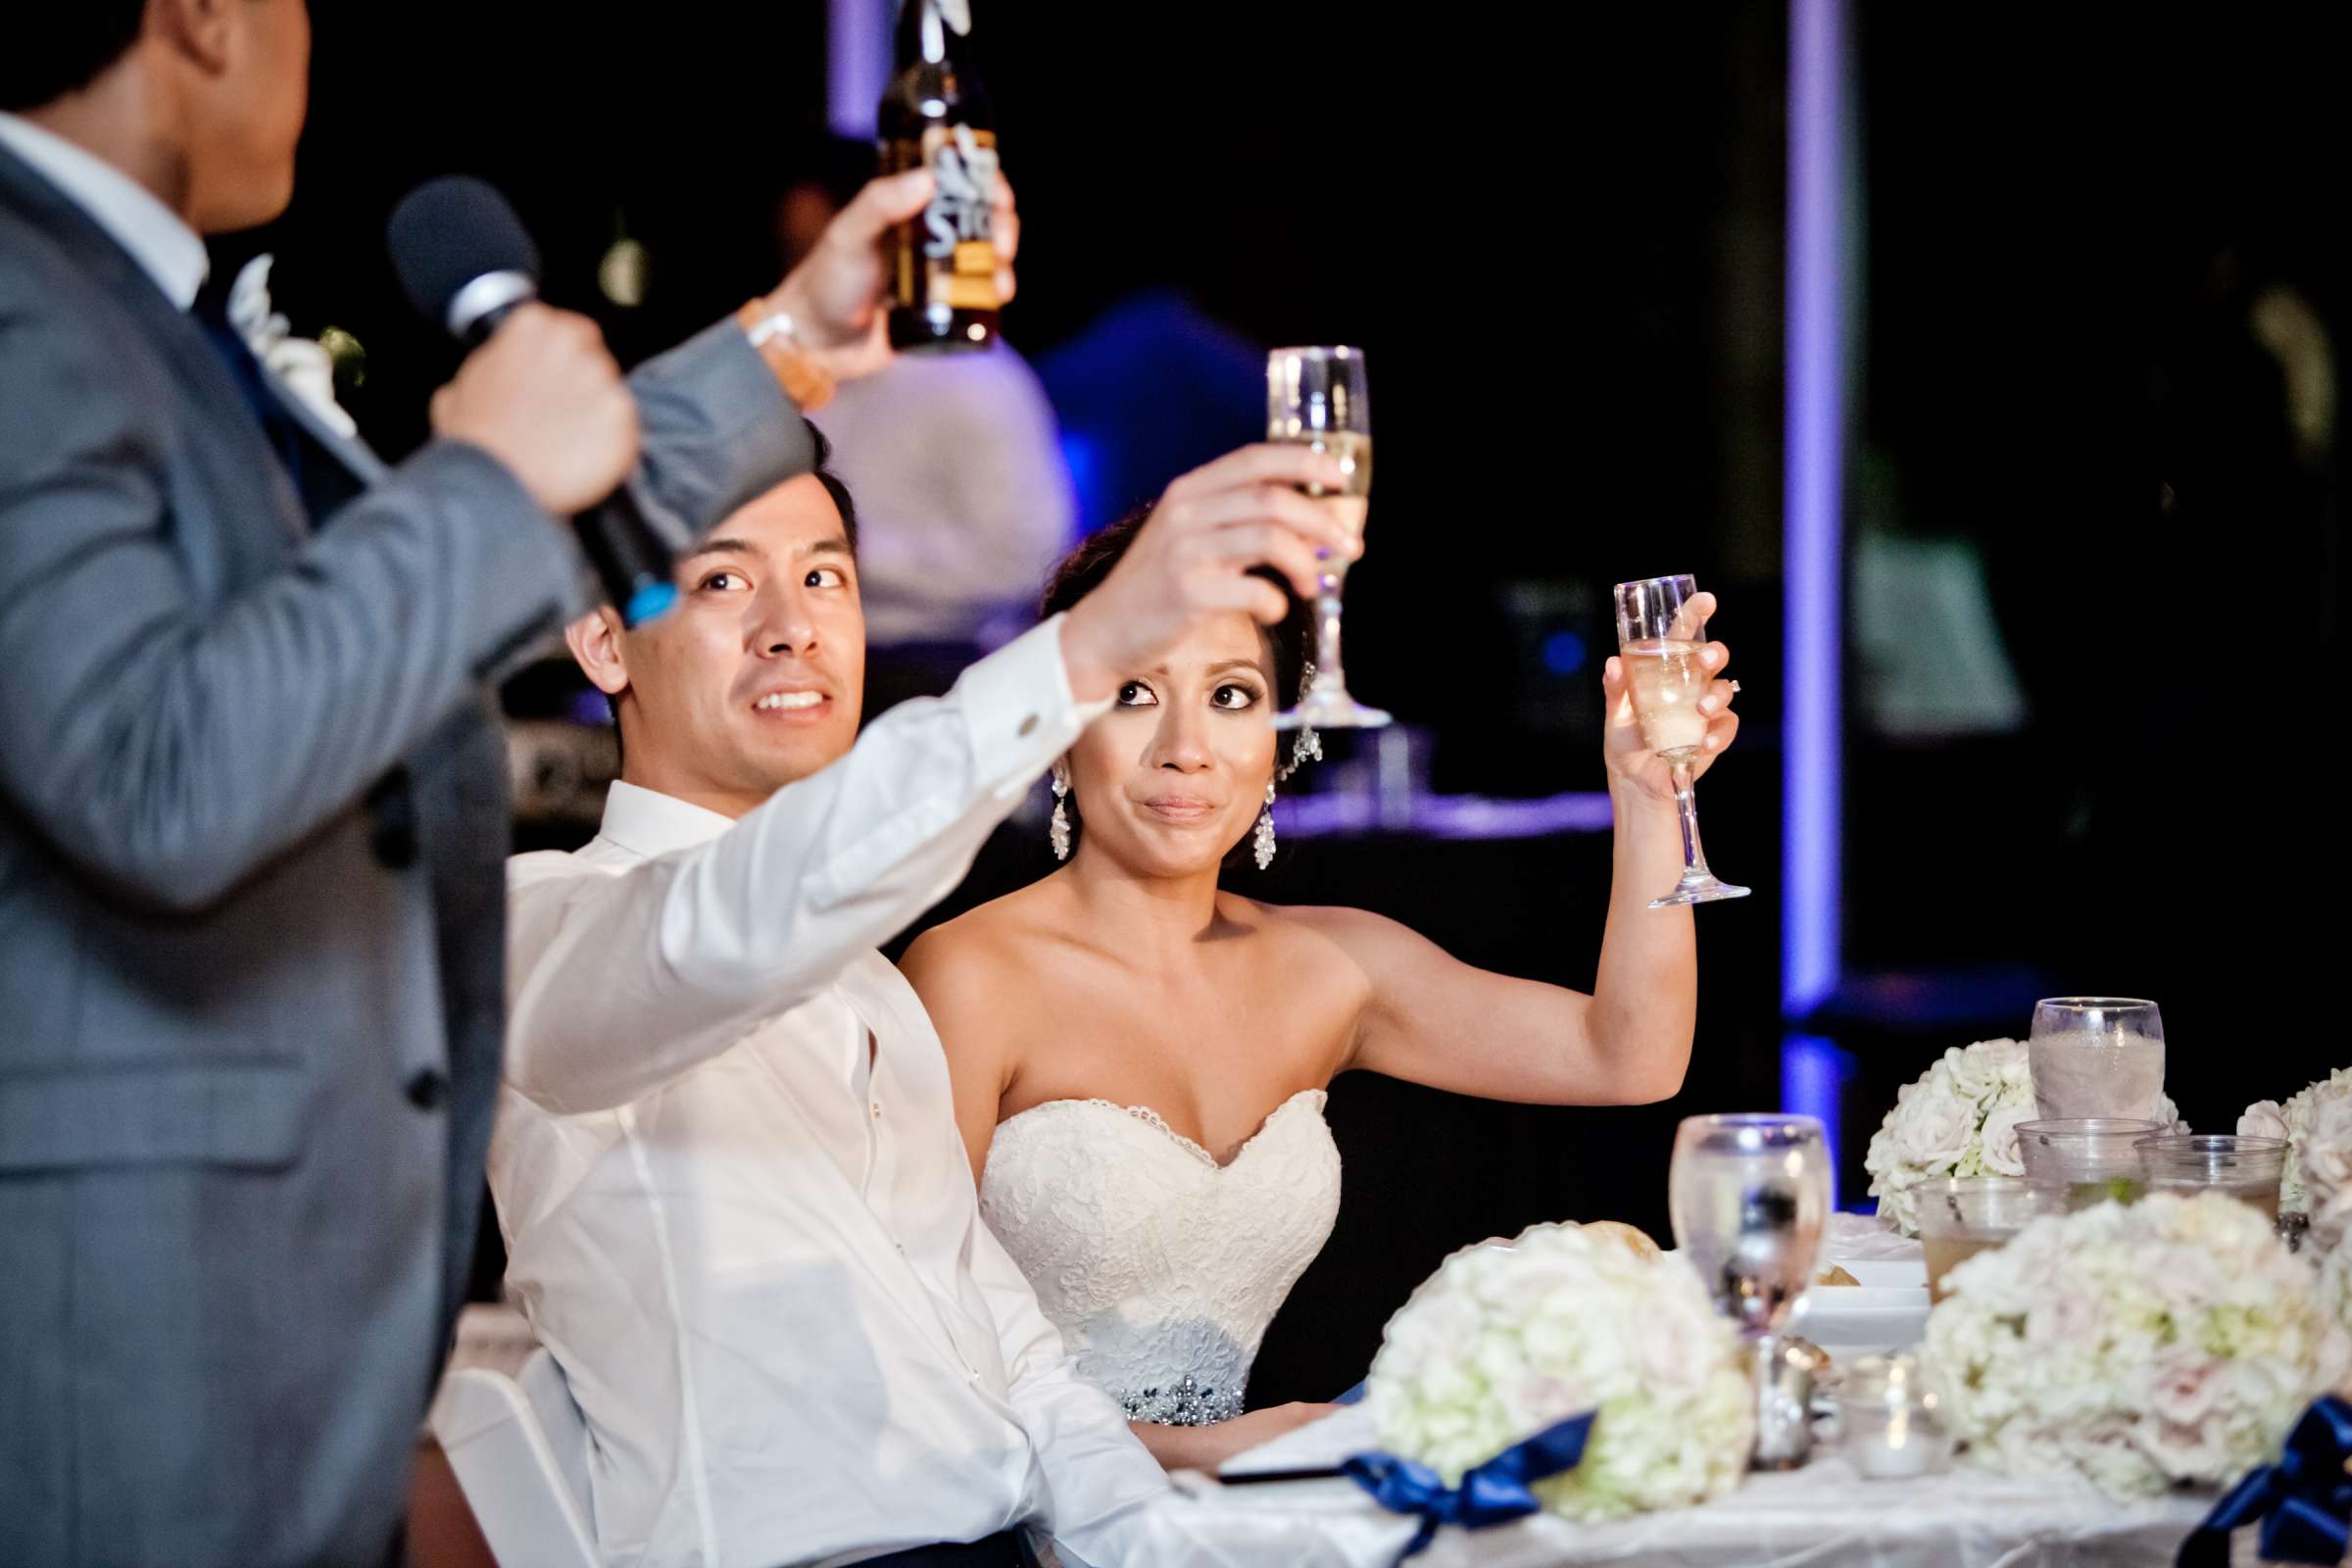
1249	665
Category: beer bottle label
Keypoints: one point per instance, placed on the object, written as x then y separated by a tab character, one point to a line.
954	245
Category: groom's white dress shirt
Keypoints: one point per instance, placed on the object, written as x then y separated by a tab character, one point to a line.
735	1202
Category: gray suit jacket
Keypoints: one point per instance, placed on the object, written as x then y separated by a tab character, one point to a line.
248	1046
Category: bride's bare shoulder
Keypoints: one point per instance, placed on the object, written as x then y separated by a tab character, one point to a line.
999	932
1334	920
1357	933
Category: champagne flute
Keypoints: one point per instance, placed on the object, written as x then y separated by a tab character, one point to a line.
1750	1196
1317	397
1658	640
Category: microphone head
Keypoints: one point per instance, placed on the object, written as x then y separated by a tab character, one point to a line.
448	234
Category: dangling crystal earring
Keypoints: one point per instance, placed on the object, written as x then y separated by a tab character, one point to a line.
1265	830
1306	745
1057	831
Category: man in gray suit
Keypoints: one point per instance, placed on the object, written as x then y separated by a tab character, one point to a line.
251	799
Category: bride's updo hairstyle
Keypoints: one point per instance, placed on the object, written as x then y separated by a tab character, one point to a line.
1083	570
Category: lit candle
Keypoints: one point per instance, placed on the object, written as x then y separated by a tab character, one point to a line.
1891	1430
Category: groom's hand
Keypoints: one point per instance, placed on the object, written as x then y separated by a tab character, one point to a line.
1193	559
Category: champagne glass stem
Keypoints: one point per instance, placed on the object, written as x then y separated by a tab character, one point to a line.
1328	676
1686	806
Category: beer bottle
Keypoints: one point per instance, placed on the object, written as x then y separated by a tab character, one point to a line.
934	115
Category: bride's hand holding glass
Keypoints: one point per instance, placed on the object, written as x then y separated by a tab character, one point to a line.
1629	755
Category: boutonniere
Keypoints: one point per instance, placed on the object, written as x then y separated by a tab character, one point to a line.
300	364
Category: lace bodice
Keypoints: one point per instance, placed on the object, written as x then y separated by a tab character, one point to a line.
1160	1267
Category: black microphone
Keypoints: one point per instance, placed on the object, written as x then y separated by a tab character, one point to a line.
466	263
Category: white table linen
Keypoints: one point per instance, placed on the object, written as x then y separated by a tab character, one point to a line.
1822	1516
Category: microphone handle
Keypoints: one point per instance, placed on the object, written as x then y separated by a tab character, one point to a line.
629	558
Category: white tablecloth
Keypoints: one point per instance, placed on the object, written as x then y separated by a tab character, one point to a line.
1823	1516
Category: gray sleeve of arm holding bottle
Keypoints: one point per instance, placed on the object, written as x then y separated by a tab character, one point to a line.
717	432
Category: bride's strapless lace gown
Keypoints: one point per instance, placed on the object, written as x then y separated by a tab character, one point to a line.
1160	1267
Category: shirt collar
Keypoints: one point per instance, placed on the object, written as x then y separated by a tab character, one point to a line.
648	822
166	248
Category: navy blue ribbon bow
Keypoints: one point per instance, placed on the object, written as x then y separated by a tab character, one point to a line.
1492	1493
2304	1501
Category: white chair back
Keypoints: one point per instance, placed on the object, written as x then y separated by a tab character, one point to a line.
520	1453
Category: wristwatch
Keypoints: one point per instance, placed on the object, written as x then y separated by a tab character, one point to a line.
771	332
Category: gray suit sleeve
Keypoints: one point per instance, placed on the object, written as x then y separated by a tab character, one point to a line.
717	432
172	741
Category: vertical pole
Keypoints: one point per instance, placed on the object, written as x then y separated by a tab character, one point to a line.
1813	577
856	64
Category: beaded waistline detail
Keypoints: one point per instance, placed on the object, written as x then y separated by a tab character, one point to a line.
1180	1404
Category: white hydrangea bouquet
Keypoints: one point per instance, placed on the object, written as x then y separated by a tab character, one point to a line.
1505	1340
1959	1119
2172	1339
2293	1121
2327	1174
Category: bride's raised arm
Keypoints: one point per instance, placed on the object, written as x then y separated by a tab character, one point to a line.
1433	1019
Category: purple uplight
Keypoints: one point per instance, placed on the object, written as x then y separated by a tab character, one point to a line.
1813	581
1444	816
856	64
1814	1074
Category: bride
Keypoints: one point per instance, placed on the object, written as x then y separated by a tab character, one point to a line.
1140	1058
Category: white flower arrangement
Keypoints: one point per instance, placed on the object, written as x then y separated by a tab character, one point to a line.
2335	1288
1959	1119
2173	1340
1505	1340
2326	1173
2293	1121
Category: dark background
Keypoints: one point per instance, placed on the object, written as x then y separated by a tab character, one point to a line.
1559	234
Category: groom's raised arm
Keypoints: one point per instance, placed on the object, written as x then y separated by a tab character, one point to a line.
618	983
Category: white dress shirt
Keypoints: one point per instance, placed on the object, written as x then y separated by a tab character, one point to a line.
735	1202
166	249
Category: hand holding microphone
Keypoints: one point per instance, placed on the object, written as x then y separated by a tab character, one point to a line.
545	398
540	391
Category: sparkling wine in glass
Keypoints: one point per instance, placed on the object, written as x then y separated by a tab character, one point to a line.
1750	1196
1659	638
1317	397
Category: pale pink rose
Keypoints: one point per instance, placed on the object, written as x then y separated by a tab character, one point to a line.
2327	1152
2002	1153
2263	1119
2331	1220
2188	1384
1660	1348
2197	1453
1932	1130
2067	1312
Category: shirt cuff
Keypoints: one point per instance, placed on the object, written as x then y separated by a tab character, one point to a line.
1020	713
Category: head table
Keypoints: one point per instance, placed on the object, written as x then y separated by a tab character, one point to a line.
1821	1516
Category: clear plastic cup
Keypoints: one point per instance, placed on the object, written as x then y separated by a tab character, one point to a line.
1961	1216
2248	1169
2095	1157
